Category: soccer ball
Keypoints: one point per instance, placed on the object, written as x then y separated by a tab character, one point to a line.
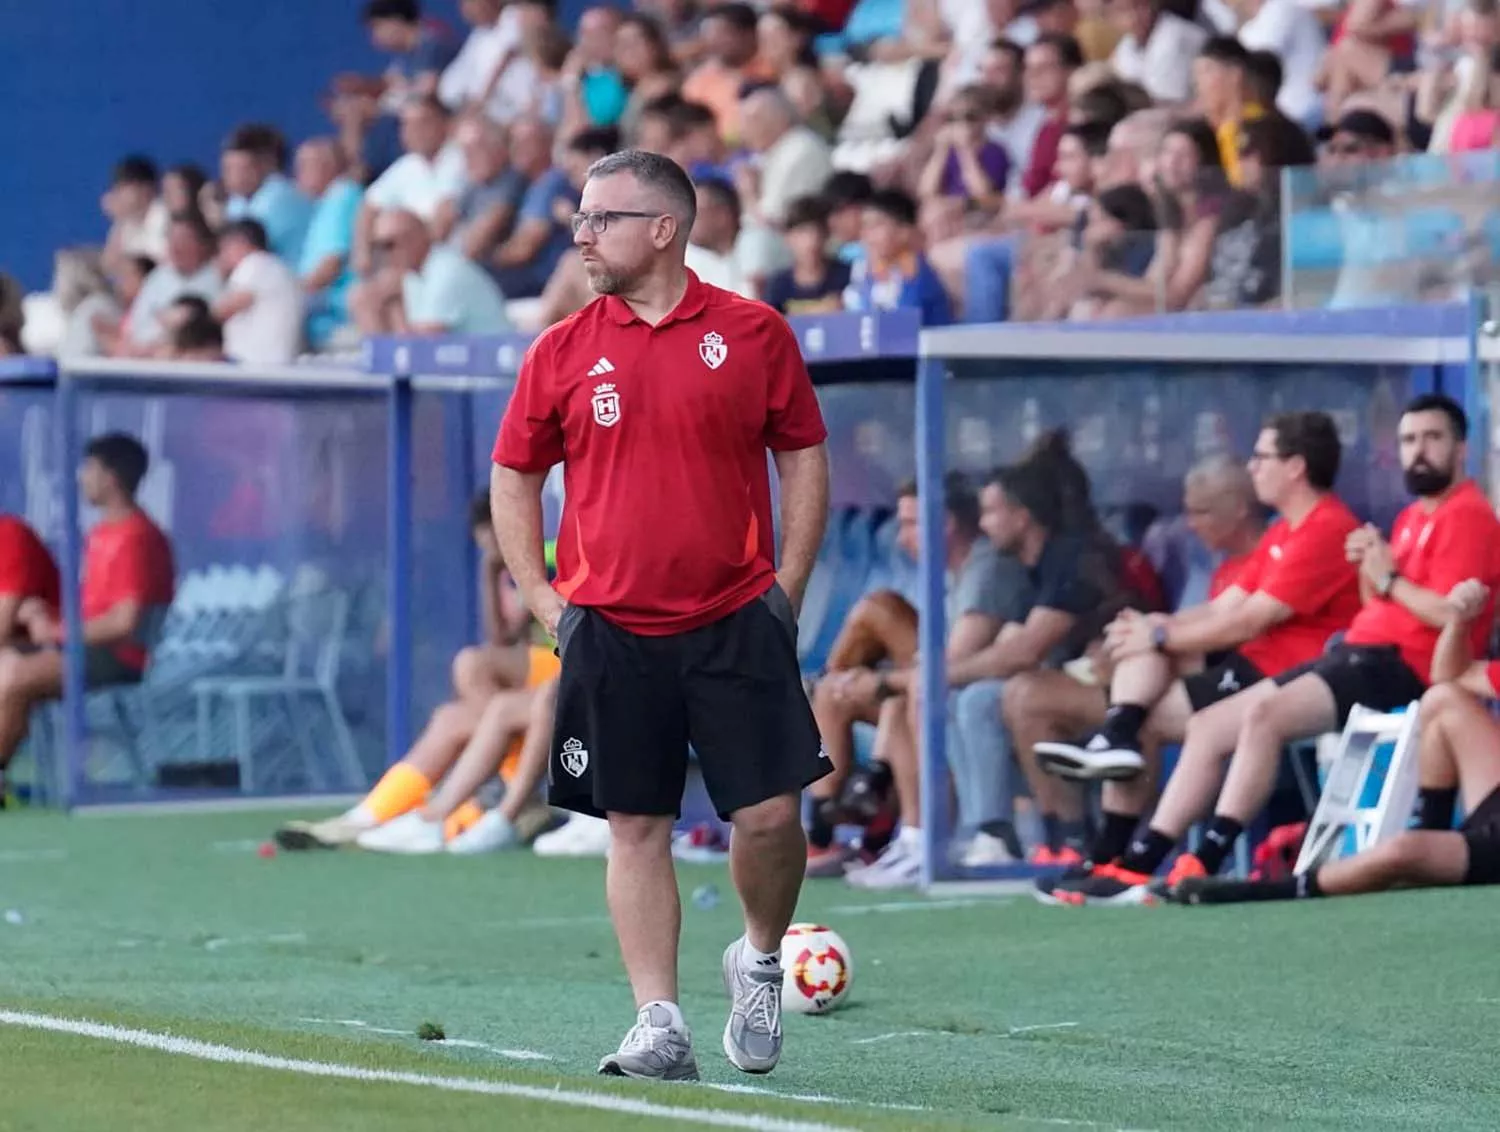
818	969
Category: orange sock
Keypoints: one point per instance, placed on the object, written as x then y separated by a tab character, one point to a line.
461	819
400	789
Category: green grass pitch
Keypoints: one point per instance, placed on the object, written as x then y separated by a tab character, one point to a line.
1377	1013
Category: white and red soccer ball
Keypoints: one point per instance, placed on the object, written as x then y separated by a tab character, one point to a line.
817	969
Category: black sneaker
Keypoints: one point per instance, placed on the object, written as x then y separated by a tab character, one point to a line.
1049	889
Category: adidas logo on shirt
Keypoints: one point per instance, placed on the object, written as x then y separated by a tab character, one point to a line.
601	367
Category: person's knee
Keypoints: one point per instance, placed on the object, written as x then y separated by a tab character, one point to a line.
635	832
1442	700
770	818
880	610
471	670
1264	720
1400	858
1019	698
978	705
452	720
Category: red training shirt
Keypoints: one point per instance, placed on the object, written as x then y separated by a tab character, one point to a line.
27	568
1457	540
127	559
1305	568
1227	573
662	432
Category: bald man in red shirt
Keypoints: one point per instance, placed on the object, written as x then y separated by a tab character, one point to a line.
674	623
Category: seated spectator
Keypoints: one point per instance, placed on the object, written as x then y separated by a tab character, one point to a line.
425	288
138	216
1459	83
1370	38
182	188
1053	703
1050	62
645	60
1157	48
261	306
1383	662
127	586
815	282
480	218
189	270
1111	274
784	45
250	166
428	173
1220	76
987	592
894	273
325	269
785	160
526	259
503	667
1013	121
1288	35
86	301
28	573
477	78
713	251
595	93
1458	753
193	334
966	165
729	42
847	194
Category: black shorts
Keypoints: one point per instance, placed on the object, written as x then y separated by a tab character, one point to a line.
1481	830
1230	674
629	705
101	667
1372	676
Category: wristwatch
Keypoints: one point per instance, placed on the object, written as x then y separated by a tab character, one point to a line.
1159	638
1390	581
883	689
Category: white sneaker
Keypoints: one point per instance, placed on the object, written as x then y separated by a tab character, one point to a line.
1099	758
653	1050
490	833
900	866
331	833
582	836
985	851
409	834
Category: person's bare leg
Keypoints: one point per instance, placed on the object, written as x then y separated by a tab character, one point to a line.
1166	724
641	888
1303	708
1041	706
836	717
1142	680
504	718
480	671
1208	739
26	679
1414	859
442	740
531	766
897	745
881	626
767	853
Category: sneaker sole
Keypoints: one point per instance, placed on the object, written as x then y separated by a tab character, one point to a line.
300	840
687	1071
1069	763
730	1051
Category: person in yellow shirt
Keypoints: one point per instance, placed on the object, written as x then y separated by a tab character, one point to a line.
1223	98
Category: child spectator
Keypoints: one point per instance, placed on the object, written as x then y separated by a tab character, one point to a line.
815	282
894	273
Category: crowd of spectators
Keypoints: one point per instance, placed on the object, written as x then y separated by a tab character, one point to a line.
979	160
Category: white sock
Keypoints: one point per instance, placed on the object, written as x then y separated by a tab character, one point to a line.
361	818
910	836
753	960
678	1022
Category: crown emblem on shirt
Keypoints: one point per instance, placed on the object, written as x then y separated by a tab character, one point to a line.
606	404
712	350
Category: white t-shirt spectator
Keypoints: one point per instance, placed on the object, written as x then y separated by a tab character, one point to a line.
269	332
798	164
162	288
469	73
1018	136
455	293
1294	34
418	185
719	270
1164	65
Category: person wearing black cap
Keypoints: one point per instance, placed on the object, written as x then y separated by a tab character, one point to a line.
1358	136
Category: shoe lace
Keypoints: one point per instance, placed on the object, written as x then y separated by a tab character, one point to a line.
761	1006
643	1038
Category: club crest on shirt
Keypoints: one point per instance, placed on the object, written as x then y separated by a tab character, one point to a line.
606	404
574	758
712	350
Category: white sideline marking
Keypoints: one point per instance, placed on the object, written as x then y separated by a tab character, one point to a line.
1014	1030
29	856
913	906
811	1098
228	1055
461	1043
218	943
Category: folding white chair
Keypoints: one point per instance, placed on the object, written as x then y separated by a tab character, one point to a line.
1343	805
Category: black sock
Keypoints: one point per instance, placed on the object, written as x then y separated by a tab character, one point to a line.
1218	842
1006	832
1123	723
1146	853
1113	837
1051	834
1308	886
1435	807
820	828
1073	835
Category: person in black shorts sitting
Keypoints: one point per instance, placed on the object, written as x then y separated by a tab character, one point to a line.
1459	754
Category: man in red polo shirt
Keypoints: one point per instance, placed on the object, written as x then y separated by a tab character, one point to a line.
27	572
1449	535
127	580
674	624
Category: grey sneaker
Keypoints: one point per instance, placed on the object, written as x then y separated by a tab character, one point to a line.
752	1038
653	1050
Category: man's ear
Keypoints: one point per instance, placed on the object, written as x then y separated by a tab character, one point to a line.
665	231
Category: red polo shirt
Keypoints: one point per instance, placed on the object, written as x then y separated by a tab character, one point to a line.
26	567
127	559
1437	549
662	432
1227	573
1303	567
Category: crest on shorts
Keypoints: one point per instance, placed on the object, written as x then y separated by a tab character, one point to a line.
574	758
606	404
712	350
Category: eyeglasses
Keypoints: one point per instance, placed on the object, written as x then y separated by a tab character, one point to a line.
382	245
599	220
1259	457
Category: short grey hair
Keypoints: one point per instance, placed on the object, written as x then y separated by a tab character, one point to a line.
659	174
1222	473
